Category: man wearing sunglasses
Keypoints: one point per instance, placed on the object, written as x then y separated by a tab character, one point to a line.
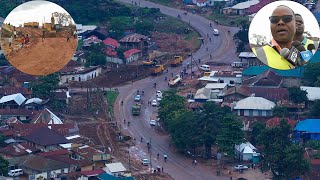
299	33
283	29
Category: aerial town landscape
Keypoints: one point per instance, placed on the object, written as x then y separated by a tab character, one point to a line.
158	90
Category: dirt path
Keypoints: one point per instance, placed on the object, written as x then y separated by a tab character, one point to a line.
43	58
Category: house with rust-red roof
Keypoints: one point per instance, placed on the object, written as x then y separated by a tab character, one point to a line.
15	150
112	43
132	55
137	41
275	121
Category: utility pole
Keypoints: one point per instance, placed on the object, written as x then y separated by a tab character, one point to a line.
150	152
129	158
191	65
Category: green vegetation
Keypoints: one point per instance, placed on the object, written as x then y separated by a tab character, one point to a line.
312	74
284	158
111	97
315	109
297	95
280	111
162	2
3	166
45	86
227	20
95	55
313	144
205	127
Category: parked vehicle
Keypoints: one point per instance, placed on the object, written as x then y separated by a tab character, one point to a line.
177	60
205	67
153	122
159	94
154	103
215	32
240	167
158	69
15	172
145	162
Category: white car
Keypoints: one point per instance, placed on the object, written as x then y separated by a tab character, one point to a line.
137	98
154	103
159	94
145	162
153	122
240	167
216	32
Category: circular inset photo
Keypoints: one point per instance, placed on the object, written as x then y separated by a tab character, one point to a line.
284	35
39	37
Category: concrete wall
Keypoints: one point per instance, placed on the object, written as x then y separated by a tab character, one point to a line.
114	60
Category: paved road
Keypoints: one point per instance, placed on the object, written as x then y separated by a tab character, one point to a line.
222	49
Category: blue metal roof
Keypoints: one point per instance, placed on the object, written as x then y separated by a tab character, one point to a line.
309	125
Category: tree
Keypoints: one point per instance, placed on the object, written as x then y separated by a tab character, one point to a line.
120	54
2	139
63	19
3	166
259	39
144	27
211	118
315	109
169	104
312	72
45	86
279	154
96	59
295	162
229	134
256	131
297	95
280	111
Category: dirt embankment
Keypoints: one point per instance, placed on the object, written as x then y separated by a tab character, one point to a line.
39	57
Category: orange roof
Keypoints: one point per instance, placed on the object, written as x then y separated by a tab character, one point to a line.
276	122
111	42
130	52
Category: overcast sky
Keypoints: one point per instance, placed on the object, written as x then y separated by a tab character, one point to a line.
33	11
261	25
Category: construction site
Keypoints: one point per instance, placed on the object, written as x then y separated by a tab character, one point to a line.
38	50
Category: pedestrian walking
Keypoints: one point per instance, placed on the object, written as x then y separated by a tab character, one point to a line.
14	33
210	56
27	39
162	169
22	41
10	41
43	34
158	155
192	162
141	139
171	74
207	49
124	121
210	39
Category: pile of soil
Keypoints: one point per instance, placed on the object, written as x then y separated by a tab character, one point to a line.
168	42
37	57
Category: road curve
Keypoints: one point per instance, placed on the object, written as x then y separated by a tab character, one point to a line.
179	167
